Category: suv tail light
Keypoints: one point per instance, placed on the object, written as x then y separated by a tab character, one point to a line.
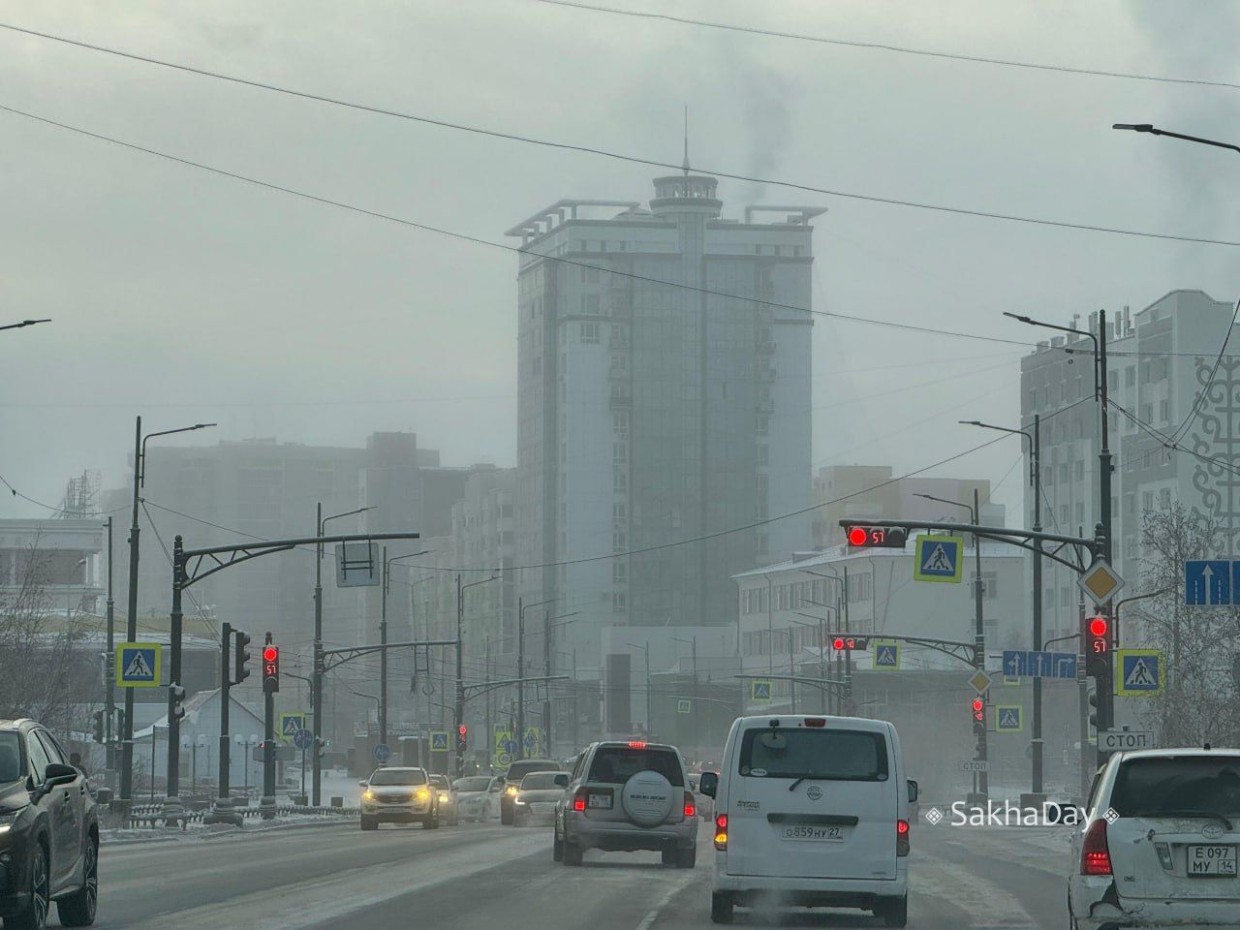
690	805
579	800
1095	855
721	832
902	839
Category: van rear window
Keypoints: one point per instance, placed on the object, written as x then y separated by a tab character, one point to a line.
840	755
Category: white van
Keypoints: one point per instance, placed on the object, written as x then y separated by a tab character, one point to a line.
811	812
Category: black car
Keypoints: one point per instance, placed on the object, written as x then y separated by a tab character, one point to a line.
49	832
512	783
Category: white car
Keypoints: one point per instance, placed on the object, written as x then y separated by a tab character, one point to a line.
812	811
473	797
1159	840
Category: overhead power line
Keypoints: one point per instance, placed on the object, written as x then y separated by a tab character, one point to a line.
887	47
604	153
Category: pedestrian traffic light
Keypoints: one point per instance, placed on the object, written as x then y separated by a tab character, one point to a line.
977	709
850	643
1096	644
176	700
241	657
874	536
462	738
1093	710
98	726
271	669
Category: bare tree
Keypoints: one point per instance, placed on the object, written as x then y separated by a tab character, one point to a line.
1200	702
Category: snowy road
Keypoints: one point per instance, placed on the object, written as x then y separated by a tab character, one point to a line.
487	875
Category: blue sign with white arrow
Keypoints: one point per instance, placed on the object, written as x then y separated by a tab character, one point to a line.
1208	582
1020	663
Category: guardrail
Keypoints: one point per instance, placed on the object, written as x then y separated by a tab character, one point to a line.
153	814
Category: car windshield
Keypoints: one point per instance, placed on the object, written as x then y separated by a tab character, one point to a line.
464	785
440	781
843	755
538	781
617	764
1177	785
10	757
398	777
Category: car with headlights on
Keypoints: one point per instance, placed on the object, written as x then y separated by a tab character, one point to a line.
447	799
473	797
512	783
1158	845
537	797
399	794
49	832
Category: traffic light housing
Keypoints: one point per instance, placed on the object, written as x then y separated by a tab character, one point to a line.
271	669
977	711
176	698
462	738
241	657
850	643
1096	644
1093	710
874	536
98	726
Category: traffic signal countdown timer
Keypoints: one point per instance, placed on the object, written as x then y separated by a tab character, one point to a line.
977	709
872	536
271	669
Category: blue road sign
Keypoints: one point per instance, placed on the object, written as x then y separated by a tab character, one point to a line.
439	741
137	665
1021	663
510	746
1208	582
290	724
1015	663
1065	664
303	739
760	690
382	752
1009	718
1141	672
887	655
530	741
938	558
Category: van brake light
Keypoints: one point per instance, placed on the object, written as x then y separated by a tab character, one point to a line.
815	721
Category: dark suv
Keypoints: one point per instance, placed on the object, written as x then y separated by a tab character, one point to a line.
512	783
49	832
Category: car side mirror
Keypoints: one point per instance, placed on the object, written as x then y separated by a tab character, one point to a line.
363	784
709	784
58	774
561	780
912	791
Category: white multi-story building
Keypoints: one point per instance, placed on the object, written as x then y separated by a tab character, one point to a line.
1158	360
655	409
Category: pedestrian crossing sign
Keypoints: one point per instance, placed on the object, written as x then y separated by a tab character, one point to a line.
759	690
939	558
1008	718
290	724
138	665
439	741
1141	672
887	656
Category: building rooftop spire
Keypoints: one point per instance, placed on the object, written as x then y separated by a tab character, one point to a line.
685	165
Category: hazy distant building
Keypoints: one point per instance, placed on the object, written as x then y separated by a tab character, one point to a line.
843	491
1158	359
652	409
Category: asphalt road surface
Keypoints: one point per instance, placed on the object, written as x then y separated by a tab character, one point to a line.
480	875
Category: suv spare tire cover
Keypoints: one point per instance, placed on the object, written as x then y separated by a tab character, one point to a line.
647	798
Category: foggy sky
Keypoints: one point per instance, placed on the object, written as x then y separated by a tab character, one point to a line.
184	297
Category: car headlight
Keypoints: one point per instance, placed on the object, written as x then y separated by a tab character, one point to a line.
423	794
443	797
368	795
519	801
512	791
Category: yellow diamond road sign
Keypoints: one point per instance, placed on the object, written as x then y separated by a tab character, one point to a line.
1100	582
979	681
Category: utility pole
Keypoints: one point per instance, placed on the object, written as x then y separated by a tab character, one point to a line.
520	734
1036	476
269	743
983	778
459	705
316	708
109	672
546	714
383	665
1106	684
131	622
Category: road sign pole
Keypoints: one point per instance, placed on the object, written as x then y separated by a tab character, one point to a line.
1036	477
268	803
983	779
172	808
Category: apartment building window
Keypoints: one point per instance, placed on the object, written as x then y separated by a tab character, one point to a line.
1113	380
1063	474
1079	471
1080	514
763	454
620	482
619	573
619	511
619	452
1147	500
1147	413
1164	498
589	274
589	332
619	541
1164	411
619	602
1063	513
1130	376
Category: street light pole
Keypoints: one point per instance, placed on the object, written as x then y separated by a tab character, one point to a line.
383	662
521	609
318	672
109	672
458	711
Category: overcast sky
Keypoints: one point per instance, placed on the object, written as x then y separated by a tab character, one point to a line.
184	296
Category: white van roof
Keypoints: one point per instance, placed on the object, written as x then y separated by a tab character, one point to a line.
830	722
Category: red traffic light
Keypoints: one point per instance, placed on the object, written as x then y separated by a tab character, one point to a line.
857	536
1098	626
872	536
271	653
978	704
837	643
462	731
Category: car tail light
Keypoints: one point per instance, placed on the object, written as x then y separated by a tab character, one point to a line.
721	832
636	744
690	805
902	838
579	800
1095	855
815	721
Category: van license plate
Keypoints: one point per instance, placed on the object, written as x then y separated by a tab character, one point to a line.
803	832
1211	861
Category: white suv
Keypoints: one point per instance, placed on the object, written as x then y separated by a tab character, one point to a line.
1159	842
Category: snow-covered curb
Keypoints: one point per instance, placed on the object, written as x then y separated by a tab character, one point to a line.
201	831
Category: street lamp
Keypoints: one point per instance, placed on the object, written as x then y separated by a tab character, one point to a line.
522	607
979	630
459	710
1154	131
1035	479
131	626
549	625
843	664
383	662
317	710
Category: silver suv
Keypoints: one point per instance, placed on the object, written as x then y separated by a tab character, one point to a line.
626	796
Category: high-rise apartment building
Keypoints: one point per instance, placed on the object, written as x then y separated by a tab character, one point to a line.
1159	360
664	396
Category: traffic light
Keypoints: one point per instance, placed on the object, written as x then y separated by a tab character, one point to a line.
1093	710
462	738
874	536
978	710
850	643
98	726
241	656
271	669
1096	642
176	694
